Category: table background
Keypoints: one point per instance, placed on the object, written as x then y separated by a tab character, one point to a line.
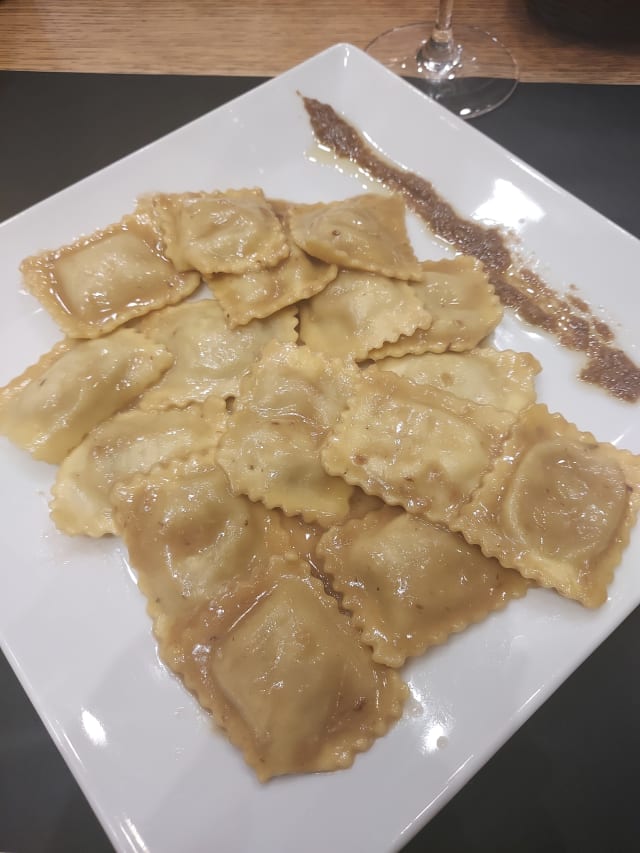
268	36
567	781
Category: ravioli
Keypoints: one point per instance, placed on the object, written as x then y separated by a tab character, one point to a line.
209	357
410	584
358	312
49	408
260	293
130	442
367	232
414	445
503	379
271	449
235	231
283	673
188	536
558	506
462	303
301	524
100	282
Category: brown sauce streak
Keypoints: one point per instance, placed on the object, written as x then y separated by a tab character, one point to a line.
604	331
569	319
580	304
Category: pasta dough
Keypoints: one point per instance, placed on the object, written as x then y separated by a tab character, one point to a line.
188	536
462	303
359	312
271	449
100	282
232	232
284	674
263	292
367	232
414	445
128	443
50	408
209	357
409	584
558	506
503	379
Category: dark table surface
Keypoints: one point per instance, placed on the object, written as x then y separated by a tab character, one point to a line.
567	782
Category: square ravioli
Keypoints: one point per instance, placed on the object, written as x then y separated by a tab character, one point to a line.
367	232
100	282
503	379
558	506
49	408
129	443
414	445
358	312
235	231
462	303
209	357
410	584
271	449
283	673
188	537
260	293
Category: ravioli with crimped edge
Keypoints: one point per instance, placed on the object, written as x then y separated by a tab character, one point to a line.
414	445
101	281
500	378
408	584
51	407
462	302
285	674
558	506
188	536
232	232
358	312
367	232
131	442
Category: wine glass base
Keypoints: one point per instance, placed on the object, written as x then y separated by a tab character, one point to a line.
480	76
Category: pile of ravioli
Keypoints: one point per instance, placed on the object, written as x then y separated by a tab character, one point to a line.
318	469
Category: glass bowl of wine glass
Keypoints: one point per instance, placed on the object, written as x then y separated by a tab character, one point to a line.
464	68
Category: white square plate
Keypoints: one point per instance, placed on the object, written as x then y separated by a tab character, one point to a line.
72	621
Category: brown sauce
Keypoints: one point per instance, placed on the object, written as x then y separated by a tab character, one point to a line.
568	318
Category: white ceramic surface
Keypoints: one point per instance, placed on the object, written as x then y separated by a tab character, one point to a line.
72	621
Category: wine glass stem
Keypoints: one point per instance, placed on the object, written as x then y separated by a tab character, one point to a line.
440	53
442	29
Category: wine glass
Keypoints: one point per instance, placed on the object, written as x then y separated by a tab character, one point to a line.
469	72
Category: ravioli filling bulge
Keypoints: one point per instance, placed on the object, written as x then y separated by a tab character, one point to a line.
565	500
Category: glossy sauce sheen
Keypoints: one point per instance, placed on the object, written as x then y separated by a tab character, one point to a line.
568	319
